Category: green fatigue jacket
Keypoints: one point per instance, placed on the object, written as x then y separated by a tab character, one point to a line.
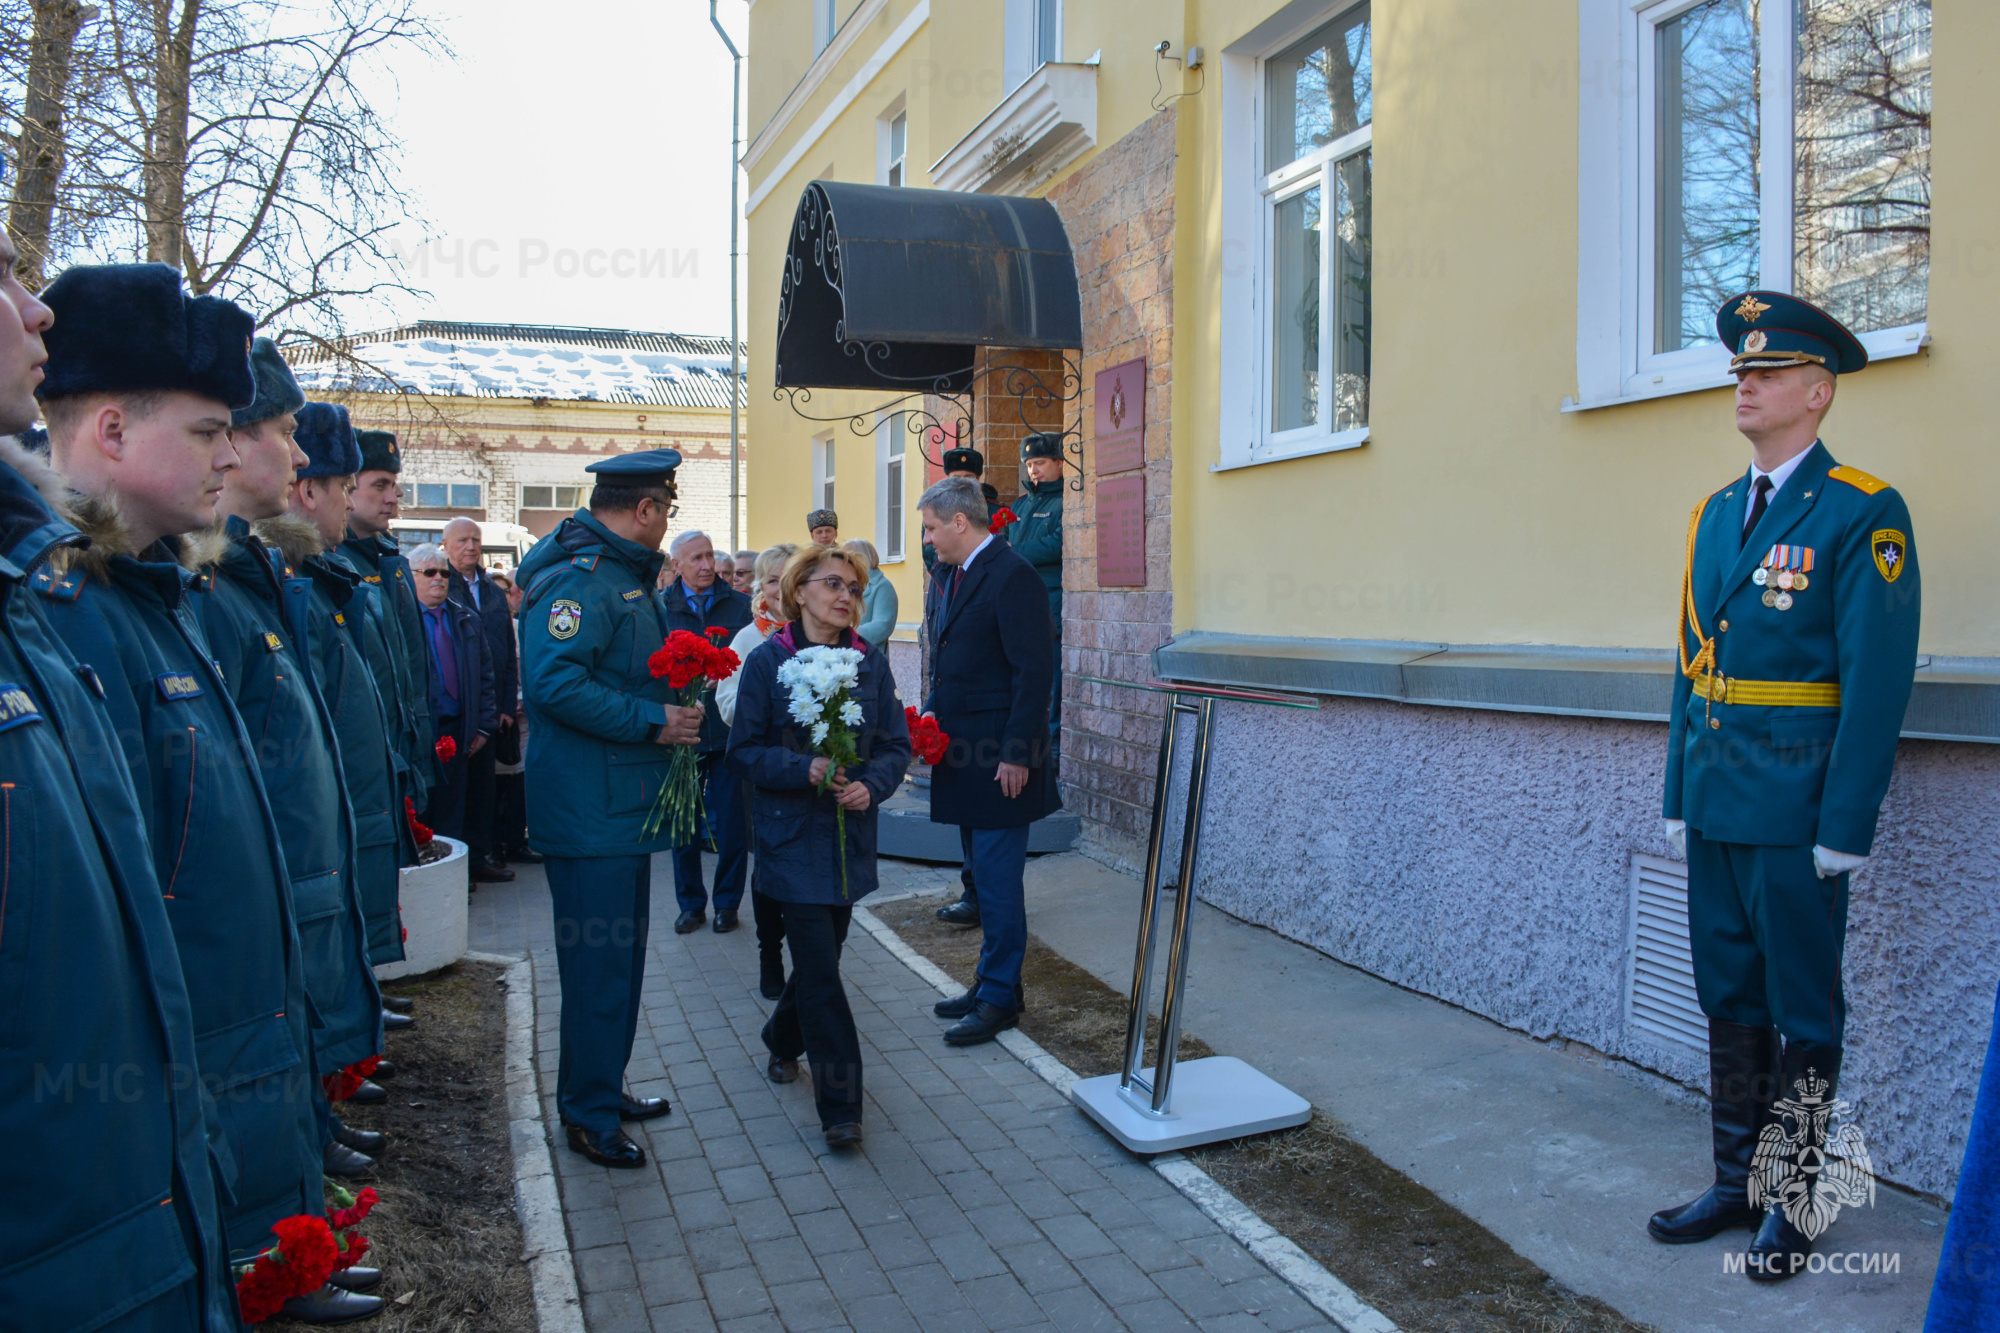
322	605
1037	534
1790	698
130	617
108	1170
393	638
589	621
270	676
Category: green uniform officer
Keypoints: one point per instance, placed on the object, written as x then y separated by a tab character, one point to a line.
1798	647
599	725
1036	533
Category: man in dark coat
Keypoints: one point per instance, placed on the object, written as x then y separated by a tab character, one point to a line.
140	383
991	664
89	977
267	668
474	589
461	687
699	602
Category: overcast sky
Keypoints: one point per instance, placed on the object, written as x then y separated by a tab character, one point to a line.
573	164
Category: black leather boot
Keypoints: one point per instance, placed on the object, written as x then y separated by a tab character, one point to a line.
365	1141
1743	1081
983	1024
332	1305
964	912
1811	1073
337	1159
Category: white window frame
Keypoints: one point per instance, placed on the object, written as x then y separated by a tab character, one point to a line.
892	488
826	478
1249	201
1616	193
826	22
1025	34
885	139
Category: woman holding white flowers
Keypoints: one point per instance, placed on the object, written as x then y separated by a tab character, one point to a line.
820	736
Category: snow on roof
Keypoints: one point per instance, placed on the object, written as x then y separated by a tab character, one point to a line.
460	360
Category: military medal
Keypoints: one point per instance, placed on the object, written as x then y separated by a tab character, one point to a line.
1782	573
1785	579
1760	576
1783	601
1770	596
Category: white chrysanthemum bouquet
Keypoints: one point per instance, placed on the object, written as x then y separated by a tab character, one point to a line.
820	682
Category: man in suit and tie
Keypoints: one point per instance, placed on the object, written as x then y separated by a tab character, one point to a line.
992	661
472	587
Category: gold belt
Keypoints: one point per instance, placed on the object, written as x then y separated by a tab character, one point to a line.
1773	693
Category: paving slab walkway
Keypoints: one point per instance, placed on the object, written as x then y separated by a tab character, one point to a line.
982	1200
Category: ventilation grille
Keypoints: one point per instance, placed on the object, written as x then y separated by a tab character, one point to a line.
1661	999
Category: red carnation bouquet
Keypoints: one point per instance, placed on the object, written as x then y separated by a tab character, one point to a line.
1001	518
927	739
300	1263
447	749
349	1211
690	663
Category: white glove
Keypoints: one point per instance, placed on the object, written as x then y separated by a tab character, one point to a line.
1830	863
1677	837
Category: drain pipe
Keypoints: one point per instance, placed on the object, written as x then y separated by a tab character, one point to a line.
735	342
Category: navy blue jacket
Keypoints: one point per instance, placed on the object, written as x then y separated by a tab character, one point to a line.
101	1137
129	616
479	713
992	664
728	609
496	623
396	651
798	858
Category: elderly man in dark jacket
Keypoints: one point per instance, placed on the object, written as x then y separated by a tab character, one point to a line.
473	587
701	603
461	688
992	660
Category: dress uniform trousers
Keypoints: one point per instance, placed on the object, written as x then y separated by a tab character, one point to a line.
1767	934
602	907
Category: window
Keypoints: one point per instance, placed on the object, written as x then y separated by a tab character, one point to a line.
465	495
891	448
1031	38
823	473
552	497
898	149
825	24
433	495
1048	31
1784	146
1316	191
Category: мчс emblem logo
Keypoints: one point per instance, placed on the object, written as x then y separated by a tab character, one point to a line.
1811	1160
565	618
1888	546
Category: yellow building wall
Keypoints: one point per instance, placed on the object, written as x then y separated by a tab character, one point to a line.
1478	512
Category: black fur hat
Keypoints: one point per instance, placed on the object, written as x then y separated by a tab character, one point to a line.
326	437
277	391
378	451
132	328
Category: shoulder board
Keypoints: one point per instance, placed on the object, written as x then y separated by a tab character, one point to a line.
371	578
1858	479
65	589
588	562
204	582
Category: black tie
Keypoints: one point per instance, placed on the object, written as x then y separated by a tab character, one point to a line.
1758	505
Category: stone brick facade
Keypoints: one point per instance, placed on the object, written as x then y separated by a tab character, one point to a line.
1119	211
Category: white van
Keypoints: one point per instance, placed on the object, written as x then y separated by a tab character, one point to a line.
501	545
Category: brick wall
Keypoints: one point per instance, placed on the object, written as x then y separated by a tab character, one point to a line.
1119	211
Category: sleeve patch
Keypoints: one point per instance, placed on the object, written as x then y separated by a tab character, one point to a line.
17	707
1858	479
565	618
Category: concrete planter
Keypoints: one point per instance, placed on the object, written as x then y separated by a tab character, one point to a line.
433	899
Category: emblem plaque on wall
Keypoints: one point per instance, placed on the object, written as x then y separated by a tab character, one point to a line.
1120	418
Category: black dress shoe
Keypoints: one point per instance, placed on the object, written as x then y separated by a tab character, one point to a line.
340	1160
370	1093
356	1279
983	1024
964	912
782	1070
331	1305
612	1149
687	922
958	1006
1779	1251
383	1069
843	1136
642	1108
365	1141
395	1022
725	920
523	856
770	973
1710	1215
485	872
401	1004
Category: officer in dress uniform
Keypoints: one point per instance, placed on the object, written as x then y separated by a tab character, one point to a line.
1798	647
140	383
109	1150
1037	534
599	724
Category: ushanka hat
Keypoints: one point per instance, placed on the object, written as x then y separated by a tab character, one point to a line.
133	328
1042	444
822	518
1765	330
965	460
326	436
378	451
277	391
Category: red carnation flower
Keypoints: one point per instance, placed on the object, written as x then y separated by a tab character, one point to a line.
364	1203
262	1290
1001	518
721	663
681	658
419	830
718	634
447	749
352	1249
927	739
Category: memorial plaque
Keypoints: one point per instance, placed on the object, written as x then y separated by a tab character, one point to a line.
1120	418
1121	532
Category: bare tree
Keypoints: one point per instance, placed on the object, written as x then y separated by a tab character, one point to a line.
38	149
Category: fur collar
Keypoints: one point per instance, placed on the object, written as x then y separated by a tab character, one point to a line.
47	482
294	537
97	517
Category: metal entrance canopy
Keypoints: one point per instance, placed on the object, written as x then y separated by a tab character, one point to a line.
892	288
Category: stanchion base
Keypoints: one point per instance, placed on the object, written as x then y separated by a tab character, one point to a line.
1213	1099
